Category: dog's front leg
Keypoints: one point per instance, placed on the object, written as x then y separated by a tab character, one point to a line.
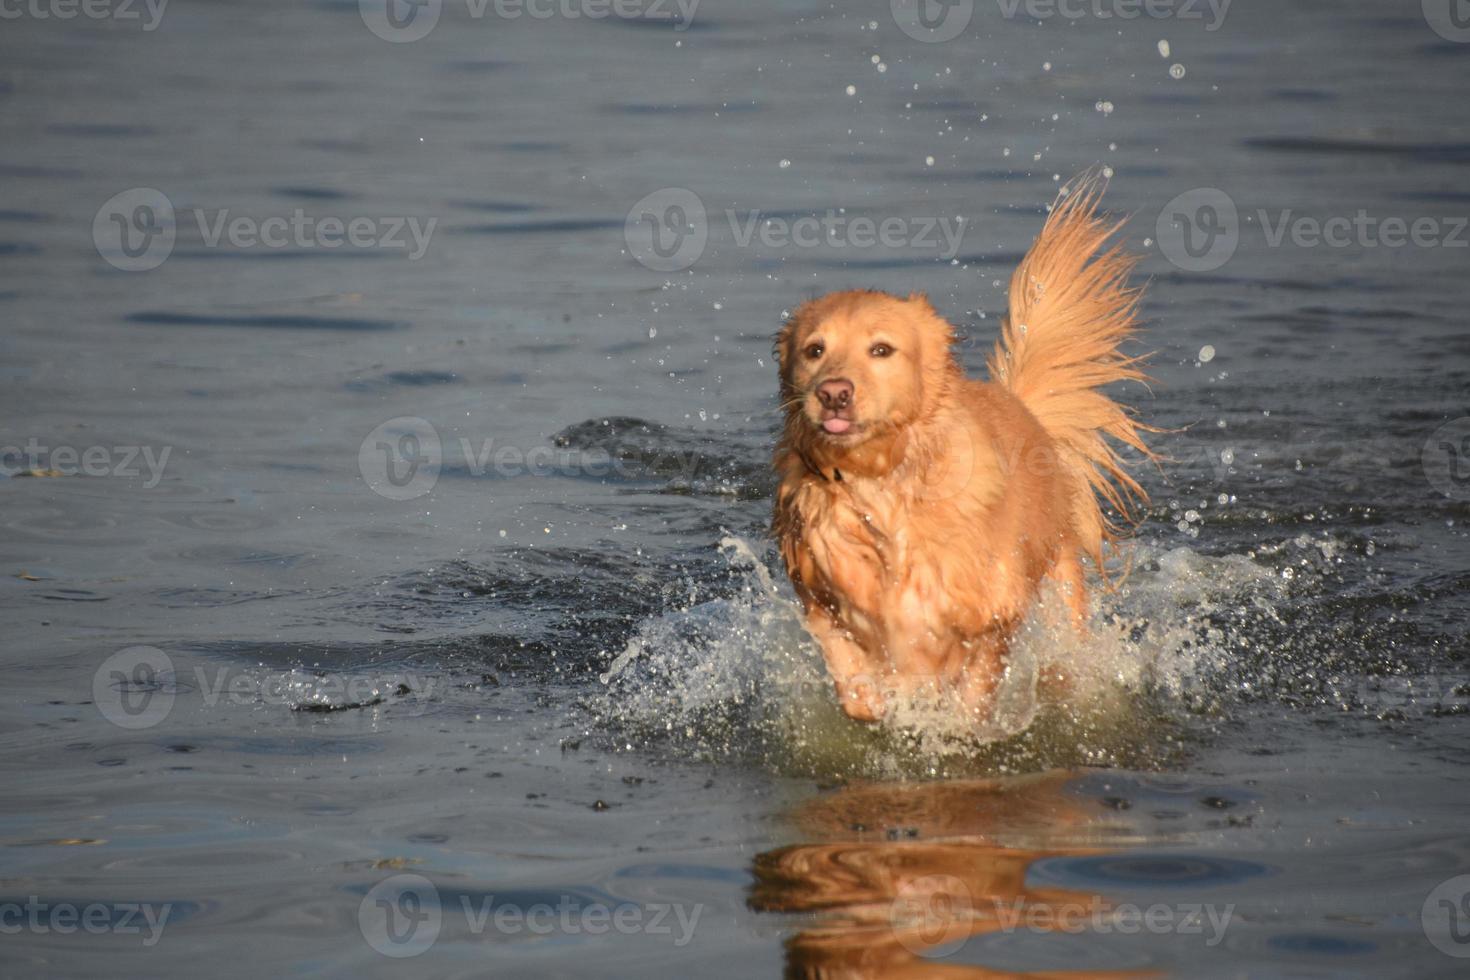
853	672
981	671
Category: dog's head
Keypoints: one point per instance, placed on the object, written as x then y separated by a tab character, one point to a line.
861	365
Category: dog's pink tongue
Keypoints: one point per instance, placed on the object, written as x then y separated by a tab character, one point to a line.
836	426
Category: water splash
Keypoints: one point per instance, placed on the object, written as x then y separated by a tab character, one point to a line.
737	677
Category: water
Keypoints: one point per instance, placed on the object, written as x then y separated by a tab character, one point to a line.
310	728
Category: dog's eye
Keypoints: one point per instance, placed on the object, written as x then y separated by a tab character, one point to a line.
881	350
815	351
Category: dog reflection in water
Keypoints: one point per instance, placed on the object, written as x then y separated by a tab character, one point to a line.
910	872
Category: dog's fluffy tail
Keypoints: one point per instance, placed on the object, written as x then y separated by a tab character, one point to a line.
1070	309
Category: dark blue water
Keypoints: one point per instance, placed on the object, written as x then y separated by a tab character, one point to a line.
385	426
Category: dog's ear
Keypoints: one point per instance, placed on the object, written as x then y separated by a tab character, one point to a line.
921	300
935	328
781	346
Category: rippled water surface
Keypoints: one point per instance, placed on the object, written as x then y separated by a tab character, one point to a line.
543	707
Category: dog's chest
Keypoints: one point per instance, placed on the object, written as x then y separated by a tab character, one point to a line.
869	543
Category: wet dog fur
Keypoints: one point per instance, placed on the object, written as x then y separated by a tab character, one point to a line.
920	511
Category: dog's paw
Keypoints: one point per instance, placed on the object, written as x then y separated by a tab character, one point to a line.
861	699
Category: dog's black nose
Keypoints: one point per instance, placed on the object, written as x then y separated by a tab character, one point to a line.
835	393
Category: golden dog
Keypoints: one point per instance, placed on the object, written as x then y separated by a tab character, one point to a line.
919	511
